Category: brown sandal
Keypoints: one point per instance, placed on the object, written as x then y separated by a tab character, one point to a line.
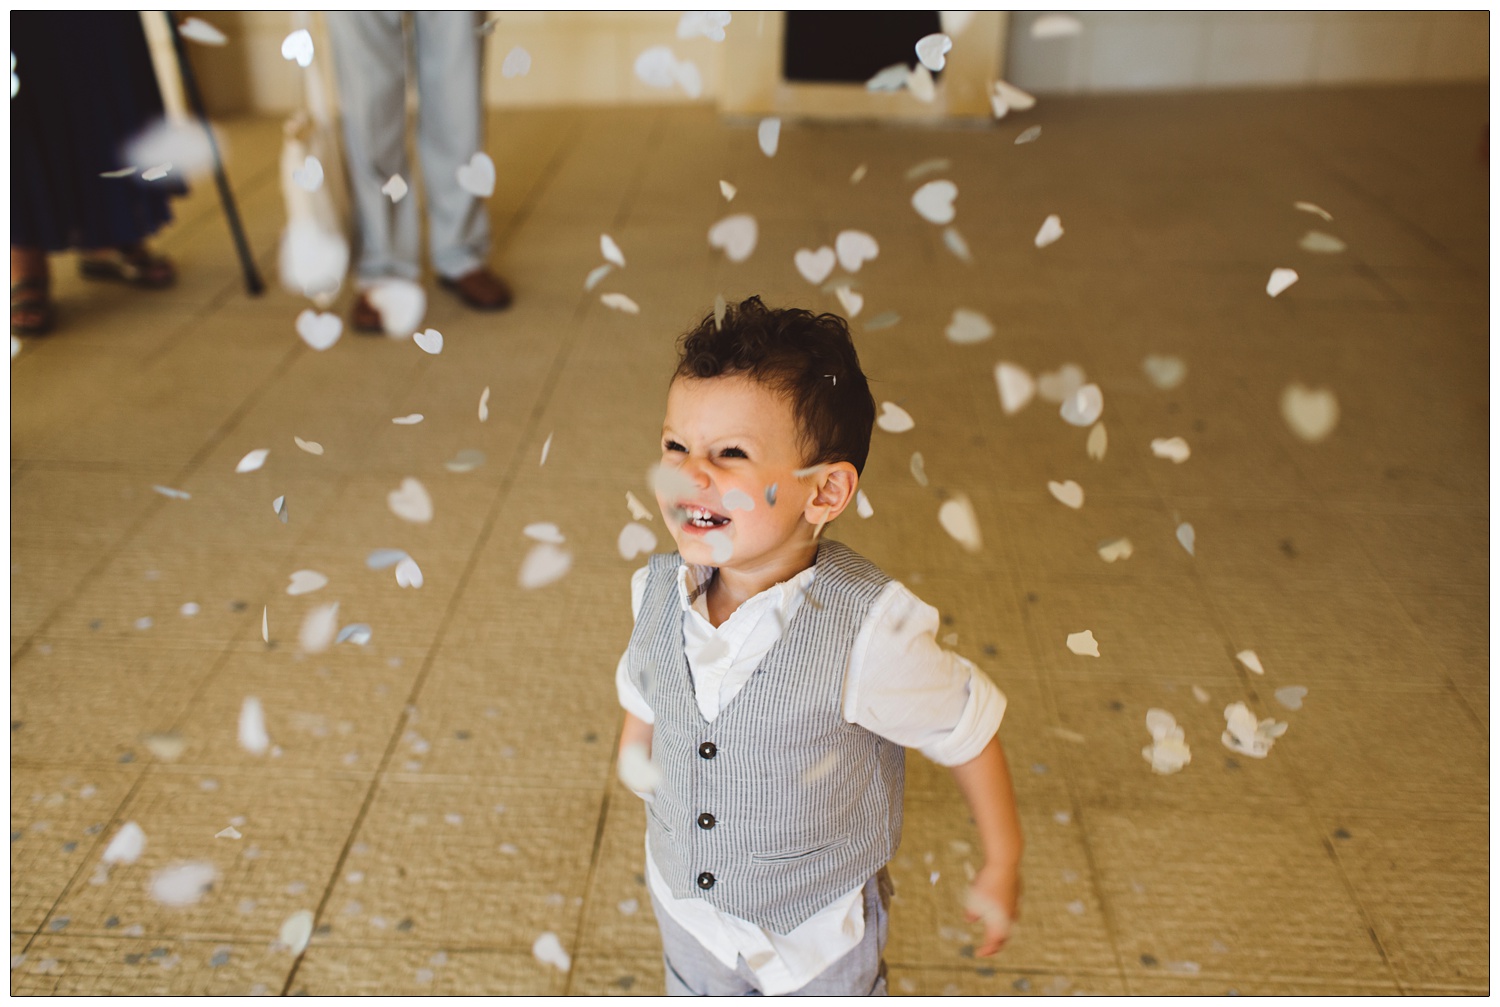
133	264
31	310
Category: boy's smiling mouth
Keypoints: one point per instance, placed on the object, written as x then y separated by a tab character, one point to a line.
700	519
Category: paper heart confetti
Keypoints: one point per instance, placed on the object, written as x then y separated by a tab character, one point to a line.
1083	407
175	494
721	546
850	301
201	31
1174	449
1016	387
1250	660
544	564
408	573
1028	134
298	47
814	266
1164	372
858	174
484	404
636	770
252	727
1291	696
182	884
1049	232
1200	694
320	330
954	241
921	85
467	460
595	275
310	175
549	951
1320	243
517	63
296	931
157	172
657	67
252	461
1311	413
635	540
768	135
728	191
1083	644
934	201
1247	736
862	504
890	78
546	447
311	447
1313	208
306	582
382	558
918	468
478	176
932	50
1280	280
401	304
855	248
119	172
395	188
544	531
357	633
737	499
637	509
127	845
968	327
1168	751
229	832
1116	548
410	502
736	235
893	419
1067	493
318	628
708	23
620	303
1055	26
265	624
1187	537
959	521
1098	442
611	251
1005	96
1056	386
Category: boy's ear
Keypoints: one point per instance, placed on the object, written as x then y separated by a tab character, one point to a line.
834	490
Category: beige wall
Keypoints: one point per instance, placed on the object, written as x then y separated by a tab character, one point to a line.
588	58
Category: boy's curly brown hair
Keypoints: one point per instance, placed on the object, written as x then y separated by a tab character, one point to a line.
806	357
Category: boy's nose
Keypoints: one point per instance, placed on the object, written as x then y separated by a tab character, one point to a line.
695	471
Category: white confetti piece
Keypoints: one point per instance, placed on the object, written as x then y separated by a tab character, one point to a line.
736	235
1200	694
954	241
1028	135
395	188
357	633
1056	386
1055	26
119	172
1164	372
467	460
157	172
401	304
1116	549
1015	385
1187	537
920	84
428	341
727	190
319	628
1312	413
1250	660
852	302
768	135
635	540
309	177
175	494
1321	244
1068	493
296	931
858	174
720	309
855	248
478	176
1291	696
382	558
1247	736
1083	644
1174	449
320	330
968	327
707	23
201	31
636	769
544	531
628	907
862	504
229	832
265	624
543	565
408	574
893	419
298	47
959	521
934	201
1003	93
549	951
410	502
484	404
889	79
620	302
1049	232
409	420
127	845
190	608
637	509
252	731
737	499
306	582
918	468
611	251
253	460
1083	407
182	884
815	265
720	545
278	507
1098	442
932	50
1314	208
311	447
517	63
1281	278
546	448
1168	751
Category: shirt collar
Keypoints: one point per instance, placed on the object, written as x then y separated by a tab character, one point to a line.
693	580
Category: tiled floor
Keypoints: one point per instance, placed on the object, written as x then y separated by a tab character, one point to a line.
443	795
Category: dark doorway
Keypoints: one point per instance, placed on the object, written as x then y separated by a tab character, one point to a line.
851	46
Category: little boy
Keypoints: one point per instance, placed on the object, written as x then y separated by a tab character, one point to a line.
776	678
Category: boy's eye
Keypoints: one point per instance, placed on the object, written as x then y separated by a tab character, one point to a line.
672	446
733	453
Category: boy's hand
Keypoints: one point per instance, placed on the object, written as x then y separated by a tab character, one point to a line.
994	899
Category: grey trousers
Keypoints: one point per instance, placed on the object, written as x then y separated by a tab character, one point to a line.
369	51
692	971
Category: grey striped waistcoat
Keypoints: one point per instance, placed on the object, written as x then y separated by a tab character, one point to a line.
779	806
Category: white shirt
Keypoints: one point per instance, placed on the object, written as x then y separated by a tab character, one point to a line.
900	685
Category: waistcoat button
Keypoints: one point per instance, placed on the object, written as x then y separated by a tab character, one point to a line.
705	881
707	750
706	821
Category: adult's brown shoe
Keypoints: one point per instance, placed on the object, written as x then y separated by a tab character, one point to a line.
365	317
480	289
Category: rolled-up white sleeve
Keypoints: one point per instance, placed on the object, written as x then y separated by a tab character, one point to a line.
630	697
904	687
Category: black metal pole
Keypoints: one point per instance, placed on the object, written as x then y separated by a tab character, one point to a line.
253	284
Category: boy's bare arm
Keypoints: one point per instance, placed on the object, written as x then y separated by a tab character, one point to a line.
995	893
635	732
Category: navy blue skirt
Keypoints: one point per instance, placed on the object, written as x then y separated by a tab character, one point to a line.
87	88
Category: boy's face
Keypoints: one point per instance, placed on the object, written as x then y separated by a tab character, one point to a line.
725	442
